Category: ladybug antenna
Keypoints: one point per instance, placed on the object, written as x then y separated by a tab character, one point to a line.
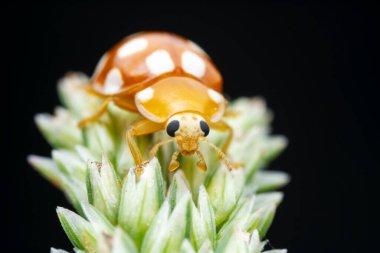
222	156
155	148
201	164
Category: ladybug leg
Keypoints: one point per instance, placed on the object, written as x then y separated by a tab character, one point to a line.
125	104
231	114
155	148
174	164
222	156
141	127
97	115
223	126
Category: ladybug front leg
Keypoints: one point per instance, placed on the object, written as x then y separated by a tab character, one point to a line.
141	127
97	115
223	126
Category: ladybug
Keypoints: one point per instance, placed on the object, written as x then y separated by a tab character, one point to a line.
172	83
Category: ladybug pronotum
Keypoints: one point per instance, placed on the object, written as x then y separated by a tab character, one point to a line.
172	83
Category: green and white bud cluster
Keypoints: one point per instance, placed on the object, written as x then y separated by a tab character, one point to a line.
187	211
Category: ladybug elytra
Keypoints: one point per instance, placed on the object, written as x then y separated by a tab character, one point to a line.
172	83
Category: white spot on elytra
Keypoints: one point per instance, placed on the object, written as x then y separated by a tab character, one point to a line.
145	95
159	62
132	47
101	64
215	96
113	81
219	99
193	64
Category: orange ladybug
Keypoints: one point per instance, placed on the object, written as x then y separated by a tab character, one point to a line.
172	83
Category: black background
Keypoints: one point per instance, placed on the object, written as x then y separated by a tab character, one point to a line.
316	65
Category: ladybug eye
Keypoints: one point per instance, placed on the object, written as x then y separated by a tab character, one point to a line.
172	127
204	127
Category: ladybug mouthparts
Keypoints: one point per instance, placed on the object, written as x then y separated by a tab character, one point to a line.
188	146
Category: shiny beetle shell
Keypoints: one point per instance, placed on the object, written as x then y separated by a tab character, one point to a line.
145	57
173	84
134	68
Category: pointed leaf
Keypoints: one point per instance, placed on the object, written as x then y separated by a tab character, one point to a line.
85	154
141	201
75	192
178	188
252	112
179	224
98	221
186	247
206	247
264	199
72	92
99	140
122	243
234	240
270	180
47	168
79	231
104	188
169	237
224	191
70	163
273	146
254	243
266	219
203	220
59	130
157	231
240	217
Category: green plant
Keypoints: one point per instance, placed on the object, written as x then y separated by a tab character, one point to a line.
186	211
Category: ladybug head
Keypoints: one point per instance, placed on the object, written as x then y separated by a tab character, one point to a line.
188	129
